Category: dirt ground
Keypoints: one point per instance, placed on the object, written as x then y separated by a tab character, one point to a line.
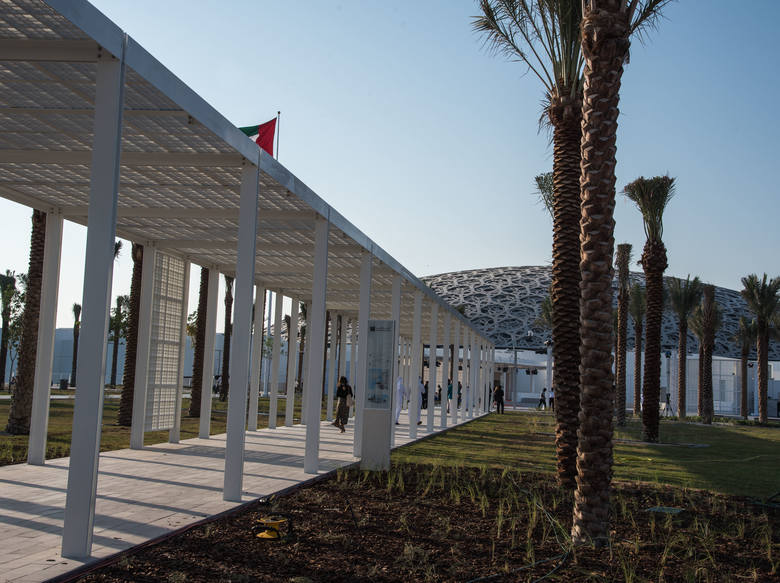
433	523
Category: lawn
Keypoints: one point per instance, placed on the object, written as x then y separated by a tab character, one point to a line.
729	458
13	448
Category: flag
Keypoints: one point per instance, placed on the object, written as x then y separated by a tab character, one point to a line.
263	135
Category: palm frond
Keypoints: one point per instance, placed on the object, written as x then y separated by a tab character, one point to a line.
684	295
544	190
651	195
644	16
746	334
637	302
762	297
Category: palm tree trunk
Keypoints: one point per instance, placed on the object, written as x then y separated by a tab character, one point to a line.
566	119
6	315
115	347
200	344
620	353
762	348
125	416
224	389
743	371
21	400
605	47
682	360
700	404
706	386
76	332
638	331
654	264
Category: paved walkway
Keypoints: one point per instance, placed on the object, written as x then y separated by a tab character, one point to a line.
145	493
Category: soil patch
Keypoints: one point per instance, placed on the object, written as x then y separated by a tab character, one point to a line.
434	523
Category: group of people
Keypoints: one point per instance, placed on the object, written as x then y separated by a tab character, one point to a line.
403	394
543	400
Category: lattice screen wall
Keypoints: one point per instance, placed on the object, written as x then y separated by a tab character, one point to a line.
164	349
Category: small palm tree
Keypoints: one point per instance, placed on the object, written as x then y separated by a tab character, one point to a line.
224	387
622	259
21	400
76	331
545	36
696	324
651	195
200	343
683	296
118	329
763	300
7	290
545	191
545	318
125	416
303	317
637	306
745	337
710	315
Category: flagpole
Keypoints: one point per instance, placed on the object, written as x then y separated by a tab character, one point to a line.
278	120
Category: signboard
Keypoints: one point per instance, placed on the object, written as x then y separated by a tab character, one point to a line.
165	343
377	422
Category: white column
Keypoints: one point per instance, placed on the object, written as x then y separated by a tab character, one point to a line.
268	332
455	373
475	389
468	365
353	360
395	315
39	419
292	361
416	360
316	313
305	362
257	356
239	360
273	380
332	364
432	376
175	433
445	369
204	429
98	269
364	314
342	349
143	345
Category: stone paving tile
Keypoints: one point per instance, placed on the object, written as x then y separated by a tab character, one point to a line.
145	493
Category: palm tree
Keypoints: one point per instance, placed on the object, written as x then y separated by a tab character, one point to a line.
7	290
303	317
745	338
622	258
118	328
710	321
545	318
762	299
21	400
545	190
76	308
637	306
696	324
199	355
651	195
224	386
545	36
683	296
606	28
125	416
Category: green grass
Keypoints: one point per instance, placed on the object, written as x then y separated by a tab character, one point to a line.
13	448
739	459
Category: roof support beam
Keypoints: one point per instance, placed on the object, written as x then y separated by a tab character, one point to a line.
83	158
69	51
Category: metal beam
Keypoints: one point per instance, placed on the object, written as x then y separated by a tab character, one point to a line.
69	51
83	157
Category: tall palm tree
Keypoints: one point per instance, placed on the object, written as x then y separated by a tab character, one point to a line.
745	338
76	331
125	416
118	326
200	344
696	324
606	28
545	36
21	400
710	322
7	290
622	258
763	300
224	386
637	306
683	297
651	195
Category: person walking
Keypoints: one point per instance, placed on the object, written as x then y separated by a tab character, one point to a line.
498	399
400	396
345	397
449	394
542	400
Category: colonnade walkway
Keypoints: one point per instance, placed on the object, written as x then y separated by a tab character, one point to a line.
145	493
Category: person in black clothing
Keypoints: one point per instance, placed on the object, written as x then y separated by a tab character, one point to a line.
460	393
498	399
425	396
344	398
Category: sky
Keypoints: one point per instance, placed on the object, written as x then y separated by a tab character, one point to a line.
398	116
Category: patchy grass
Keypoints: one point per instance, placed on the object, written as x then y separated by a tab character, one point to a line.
13	448
731	459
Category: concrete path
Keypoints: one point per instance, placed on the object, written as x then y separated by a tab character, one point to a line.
145	493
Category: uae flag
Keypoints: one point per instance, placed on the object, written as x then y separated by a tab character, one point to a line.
263	135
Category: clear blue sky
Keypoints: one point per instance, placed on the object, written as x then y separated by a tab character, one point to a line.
397	116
